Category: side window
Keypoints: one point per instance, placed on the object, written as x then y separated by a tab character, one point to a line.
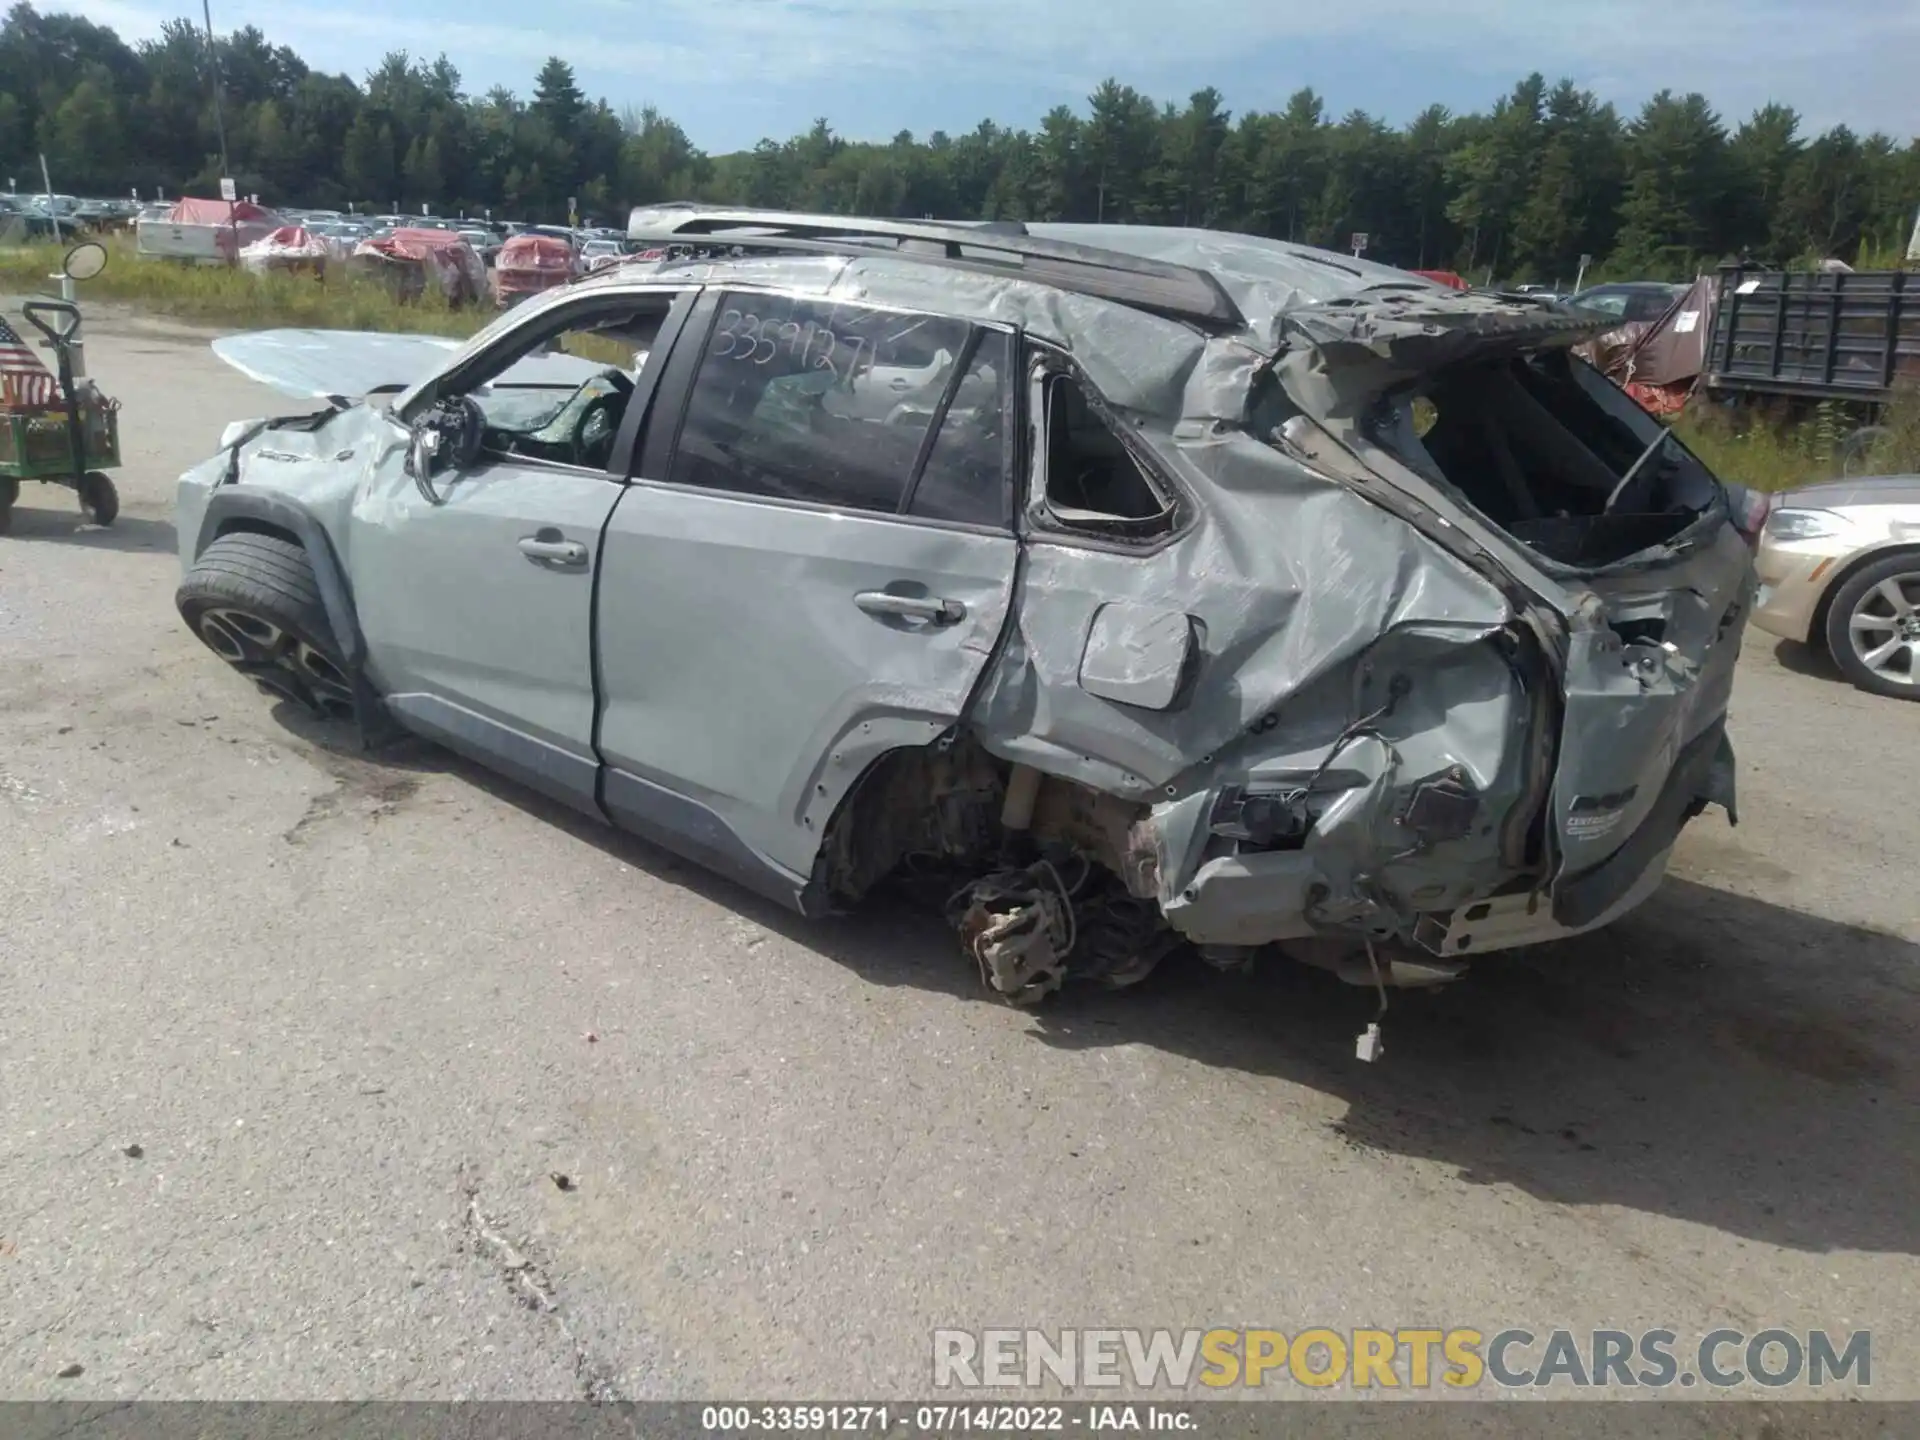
809	400
559	392
965	478
1093	481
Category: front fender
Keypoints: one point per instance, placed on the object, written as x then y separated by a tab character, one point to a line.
246	507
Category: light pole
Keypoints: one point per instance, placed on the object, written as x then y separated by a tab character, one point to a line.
227	188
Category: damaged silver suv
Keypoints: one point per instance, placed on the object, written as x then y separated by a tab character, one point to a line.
1158	586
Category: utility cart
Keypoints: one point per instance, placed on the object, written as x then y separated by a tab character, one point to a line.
69	438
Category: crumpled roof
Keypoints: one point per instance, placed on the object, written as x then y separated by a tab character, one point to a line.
1264	277
1365	325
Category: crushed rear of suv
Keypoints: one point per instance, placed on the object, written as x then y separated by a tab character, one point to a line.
1149	586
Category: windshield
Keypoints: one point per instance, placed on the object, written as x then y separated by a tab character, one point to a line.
1612	302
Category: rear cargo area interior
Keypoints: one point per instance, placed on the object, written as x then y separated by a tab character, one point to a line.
1090	472
1541	451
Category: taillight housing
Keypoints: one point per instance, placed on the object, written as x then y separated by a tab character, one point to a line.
1261	819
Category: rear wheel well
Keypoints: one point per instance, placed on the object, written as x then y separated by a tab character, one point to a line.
929	804
1817	625
1041	877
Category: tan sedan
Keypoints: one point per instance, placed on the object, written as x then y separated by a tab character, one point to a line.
1840	568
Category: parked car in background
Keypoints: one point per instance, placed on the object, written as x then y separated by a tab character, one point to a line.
410	259
290	250
530	262
598	253
1630	300
26	219
1839	569
205	231
485	240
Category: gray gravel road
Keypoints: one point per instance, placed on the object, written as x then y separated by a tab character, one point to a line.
355	1014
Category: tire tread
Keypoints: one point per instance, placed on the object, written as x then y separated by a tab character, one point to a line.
263	573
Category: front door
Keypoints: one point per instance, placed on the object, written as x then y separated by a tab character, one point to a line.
809	575
475	591
477	611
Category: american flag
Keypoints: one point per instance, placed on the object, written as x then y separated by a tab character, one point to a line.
24	382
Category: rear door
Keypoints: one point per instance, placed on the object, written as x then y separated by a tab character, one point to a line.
800	577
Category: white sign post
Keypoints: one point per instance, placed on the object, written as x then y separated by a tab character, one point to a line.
1360	238
230	192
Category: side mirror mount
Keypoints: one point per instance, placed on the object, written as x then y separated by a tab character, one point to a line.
448	434
423	448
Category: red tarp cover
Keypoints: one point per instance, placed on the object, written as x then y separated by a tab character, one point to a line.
217	212
449	259
1658	362
530	263
291	247
535	252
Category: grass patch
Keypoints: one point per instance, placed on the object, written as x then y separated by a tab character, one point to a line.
1771	450
601	349
230	296
1757	451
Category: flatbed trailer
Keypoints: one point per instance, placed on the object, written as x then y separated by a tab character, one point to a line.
1814	335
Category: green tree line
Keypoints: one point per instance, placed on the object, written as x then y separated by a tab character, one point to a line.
1547	174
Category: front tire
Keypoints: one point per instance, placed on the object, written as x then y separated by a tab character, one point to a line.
98	498
1873	627
253	600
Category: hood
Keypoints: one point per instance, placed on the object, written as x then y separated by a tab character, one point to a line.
1861	490
349	364
329	364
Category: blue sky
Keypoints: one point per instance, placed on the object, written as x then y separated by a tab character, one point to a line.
732	71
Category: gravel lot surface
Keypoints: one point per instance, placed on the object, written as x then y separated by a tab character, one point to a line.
293	1042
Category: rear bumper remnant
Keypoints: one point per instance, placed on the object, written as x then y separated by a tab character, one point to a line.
1702	773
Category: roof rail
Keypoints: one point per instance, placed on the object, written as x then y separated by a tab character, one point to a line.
1178	292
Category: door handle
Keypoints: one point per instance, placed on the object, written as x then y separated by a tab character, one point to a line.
910	607
548	547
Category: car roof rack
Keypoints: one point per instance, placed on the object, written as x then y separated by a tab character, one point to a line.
1178	292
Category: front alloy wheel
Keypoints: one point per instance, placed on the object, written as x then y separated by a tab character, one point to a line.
253	600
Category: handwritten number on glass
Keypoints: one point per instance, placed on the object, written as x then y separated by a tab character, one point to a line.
746	337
